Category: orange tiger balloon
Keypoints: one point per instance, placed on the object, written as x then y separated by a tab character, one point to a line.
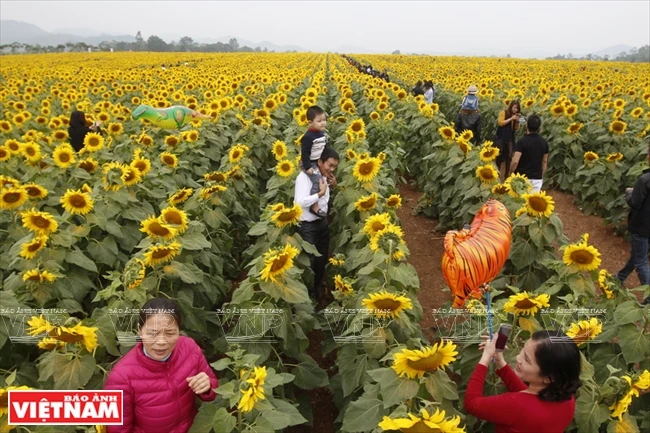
476	255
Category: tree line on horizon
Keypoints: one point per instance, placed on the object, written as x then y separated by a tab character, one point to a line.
634	55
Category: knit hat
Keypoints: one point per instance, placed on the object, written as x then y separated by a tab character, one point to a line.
472	90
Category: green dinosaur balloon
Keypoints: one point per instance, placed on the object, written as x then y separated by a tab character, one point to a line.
169	118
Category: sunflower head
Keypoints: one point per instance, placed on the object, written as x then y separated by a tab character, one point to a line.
590	156
277	262
180	196
614	157
376	223
169	159
581	256
77	202
287	216
41	223
388	239
617	127
487	174
367	203
394	201
93	142
539	204
447	132
524	304
279	150
387	305
157	254
285	168
365	170
415	363
13	197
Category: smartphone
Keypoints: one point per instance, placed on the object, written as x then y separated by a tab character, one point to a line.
502	336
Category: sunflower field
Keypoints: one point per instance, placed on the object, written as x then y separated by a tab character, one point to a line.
205	215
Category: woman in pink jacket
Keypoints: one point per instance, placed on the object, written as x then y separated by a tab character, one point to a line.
161	375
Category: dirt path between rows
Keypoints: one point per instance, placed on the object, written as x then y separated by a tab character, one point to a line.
426	246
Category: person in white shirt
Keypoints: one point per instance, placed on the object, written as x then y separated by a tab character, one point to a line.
313	229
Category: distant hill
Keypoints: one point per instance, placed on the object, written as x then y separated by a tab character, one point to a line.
17	31
613	51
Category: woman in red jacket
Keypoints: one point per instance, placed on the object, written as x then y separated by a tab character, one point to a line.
161	375
549	364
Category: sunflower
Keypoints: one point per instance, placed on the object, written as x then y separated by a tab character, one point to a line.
255	390
501	189
64	156
180	196
519	184
41	223
557	110
172	140
585	330
141	165
115	128
414	363
161	253
206	193
434	423
487	174
394	201
89	164
613	157
357	126
11	198
35	191
366	170
581	256
174	217
5	126
28	250
279	150
376	223
387	239
134	273
590	156
488	153
145	140
637	112
8	181
539	204
216	176
366	203
343	285
285	168
605	282
522	304
12	146
156	227
130	175
77	202
574	128
79	333
338	260
466	135
351	154
169	159
190	136
617	127
31	151
387	305
237	152
287	216
447	132
277	262
34	275
5	154
93	142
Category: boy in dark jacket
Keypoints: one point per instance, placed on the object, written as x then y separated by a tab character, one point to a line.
638	224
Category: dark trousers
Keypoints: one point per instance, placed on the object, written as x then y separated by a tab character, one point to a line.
638	260
316	233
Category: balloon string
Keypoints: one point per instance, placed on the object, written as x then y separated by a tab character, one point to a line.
489	309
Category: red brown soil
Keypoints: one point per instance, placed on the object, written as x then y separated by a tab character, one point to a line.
426	246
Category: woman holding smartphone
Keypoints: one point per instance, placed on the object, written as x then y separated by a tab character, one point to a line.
541	388
77	129
161	376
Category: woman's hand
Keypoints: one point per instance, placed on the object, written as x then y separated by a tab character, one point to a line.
489	351
199	383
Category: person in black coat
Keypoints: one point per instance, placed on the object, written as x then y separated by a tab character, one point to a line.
77	129
638	224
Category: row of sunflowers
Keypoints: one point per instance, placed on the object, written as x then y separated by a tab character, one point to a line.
206	217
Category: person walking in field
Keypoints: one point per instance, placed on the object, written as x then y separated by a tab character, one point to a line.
429	92
508	124
531	154
638	224
468	117
312	228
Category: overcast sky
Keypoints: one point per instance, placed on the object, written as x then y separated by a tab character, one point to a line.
487	27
